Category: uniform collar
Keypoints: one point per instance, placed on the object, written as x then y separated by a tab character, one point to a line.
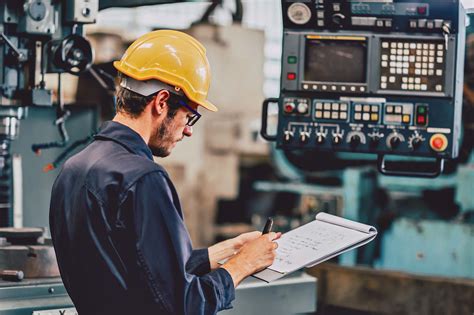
125	136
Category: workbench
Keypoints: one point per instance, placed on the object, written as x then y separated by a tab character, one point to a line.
47	296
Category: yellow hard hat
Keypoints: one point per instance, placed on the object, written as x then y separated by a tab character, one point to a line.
172	57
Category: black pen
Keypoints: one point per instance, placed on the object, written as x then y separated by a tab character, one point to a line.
268	226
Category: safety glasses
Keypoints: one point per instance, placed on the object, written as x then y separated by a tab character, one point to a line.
192	119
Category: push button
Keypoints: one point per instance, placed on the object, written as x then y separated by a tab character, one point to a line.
421	10
438	142
289	107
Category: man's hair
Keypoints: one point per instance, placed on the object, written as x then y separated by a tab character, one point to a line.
133	104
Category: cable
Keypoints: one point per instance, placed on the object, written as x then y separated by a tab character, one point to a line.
58	161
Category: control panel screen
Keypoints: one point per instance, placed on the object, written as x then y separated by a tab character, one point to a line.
335	60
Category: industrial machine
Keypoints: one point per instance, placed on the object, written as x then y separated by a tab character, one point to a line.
370	83
37	37
380	77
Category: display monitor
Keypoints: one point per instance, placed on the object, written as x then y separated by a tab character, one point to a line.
335	60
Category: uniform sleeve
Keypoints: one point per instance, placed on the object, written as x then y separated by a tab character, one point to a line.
165	254
198	263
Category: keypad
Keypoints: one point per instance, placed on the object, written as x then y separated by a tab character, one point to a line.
330	110
366	112
398	114
412	66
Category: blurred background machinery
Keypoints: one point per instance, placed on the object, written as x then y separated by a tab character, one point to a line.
383	80
423	259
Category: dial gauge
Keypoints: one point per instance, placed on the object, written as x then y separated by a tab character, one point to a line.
299	13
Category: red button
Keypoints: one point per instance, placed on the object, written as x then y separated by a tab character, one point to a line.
291	76
289	107
439	142
421	120
421	10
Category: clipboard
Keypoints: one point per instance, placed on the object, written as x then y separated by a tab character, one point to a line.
315	242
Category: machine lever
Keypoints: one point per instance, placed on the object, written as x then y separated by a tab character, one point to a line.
446	31
16	53
263	130
416	169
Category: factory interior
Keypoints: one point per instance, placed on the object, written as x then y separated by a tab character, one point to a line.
362	109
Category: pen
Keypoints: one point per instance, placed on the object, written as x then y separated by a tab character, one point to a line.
268	226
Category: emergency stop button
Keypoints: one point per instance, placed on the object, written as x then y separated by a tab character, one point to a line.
438	142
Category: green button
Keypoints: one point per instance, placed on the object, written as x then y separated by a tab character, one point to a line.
421	109
291	59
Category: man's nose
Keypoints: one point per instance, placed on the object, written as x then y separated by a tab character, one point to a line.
188	131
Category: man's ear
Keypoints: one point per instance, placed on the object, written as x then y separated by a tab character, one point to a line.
159	103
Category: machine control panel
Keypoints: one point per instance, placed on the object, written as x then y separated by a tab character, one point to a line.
372	76
377	15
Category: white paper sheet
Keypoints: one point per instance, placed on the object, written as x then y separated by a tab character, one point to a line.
315	241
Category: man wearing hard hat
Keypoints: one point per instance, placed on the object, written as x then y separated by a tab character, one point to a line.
116	221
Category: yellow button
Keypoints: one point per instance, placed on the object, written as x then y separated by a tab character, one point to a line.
374	117
406	118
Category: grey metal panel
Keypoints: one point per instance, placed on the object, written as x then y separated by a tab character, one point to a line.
452	256
291	295
23	299
459	78
293	43
39	127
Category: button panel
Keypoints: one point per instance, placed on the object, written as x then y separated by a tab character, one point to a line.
421	116
331	110
412	66
366	112
296	106
398	114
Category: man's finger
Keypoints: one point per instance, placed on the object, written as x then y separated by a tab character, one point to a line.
271	236
250	236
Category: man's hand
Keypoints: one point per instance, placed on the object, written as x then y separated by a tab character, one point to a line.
254	255
230	247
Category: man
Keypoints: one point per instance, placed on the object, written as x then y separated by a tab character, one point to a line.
116	221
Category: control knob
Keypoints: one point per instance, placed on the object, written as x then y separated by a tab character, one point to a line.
354	141
415	141
304	136
320	138
394	140
338	18
375	139
336	138
289	134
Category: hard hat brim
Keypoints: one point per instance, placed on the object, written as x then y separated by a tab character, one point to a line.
209	106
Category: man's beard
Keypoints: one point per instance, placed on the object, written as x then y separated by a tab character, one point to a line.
163	134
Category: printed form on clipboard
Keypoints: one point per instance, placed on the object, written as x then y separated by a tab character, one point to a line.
317	241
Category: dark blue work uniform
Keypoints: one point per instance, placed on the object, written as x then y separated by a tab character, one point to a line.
119	235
